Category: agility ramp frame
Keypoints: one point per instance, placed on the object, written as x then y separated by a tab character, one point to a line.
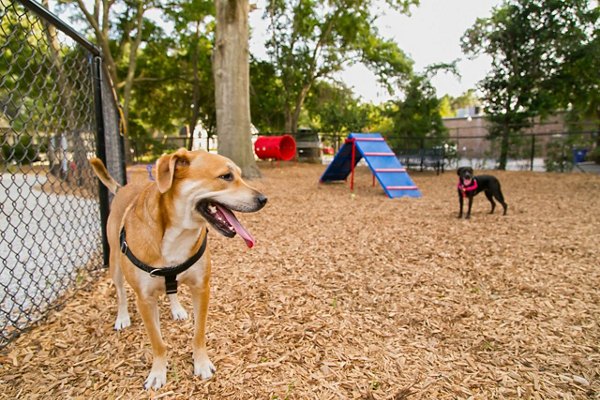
382	161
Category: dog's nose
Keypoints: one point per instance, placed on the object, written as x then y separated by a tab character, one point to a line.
262	200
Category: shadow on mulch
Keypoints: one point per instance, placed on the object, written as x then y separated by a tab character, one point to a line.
360	297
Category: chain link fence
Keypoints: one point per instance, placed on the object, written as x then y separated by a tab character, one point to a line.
56	112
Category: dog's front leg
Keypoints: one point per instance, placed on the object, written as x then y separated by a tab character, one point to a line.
203	367
177	310
148	308
469	206
460	202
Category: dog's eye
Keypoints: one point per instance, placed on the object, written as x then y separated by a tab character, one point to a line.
227	177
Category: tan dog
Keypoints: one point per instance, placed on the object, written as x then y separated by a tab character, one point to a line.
158	229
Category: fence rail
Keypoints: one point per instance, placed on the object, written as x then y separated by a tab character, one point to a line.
556	151
546	151
56	111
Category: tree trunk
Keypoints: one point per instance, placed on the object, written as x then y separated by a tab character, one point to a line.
195	89
505	135
232	85
287	128
100	21
598	128
71	123
298	107
135	44
504	144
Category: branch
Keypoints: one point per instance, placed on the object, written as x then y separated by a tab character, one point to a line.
89	16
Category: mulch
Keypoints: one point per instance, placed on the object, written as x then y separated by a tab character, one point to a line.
357	296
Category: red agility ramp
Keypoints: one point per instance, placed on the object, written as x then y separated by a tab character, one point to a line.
382	161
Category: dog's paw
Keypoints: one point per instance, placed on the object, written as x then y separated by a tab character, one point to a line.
122	322
177	310
156	379
204	369
179	313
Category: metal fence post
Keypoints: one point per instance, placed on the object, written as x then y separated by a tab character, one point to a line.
101	153
532	152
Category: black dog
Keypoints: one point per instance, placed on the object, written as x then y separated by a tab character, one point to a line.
469	186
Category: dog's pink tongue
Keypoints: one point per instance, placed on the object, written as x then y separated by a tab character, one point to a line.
239	229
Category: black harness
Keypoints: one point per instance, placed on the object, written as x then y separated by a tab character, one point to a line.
170	273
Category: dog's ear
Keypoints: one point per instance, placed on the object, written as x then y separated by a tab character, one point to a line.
459	170
166	167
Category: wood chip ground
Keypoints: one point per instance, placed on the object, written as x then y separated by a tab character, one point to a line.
356	296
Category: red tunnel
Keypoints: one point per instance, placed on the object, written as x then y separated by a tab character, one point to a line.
275	147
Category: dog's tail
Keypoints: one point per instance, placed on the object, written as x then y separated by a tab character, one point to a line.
102	174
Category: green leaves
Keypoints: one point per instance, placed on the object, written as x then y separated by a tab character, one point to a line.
537	49
310	40
418	115
333	108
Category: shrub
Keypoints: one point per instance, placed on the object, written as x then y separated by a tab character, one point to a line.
559	157
594	155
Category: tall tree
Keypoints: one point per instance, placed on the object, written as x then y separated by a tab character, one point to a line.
530	42
578	80
174	83
68	99
333	108
266	103
174	86
232	84
312	40
119	34
417	117
194	28
32	104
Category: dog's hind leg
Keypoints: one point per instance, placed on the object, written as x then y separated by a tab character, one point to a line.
177	310
500	198
123	320
490	197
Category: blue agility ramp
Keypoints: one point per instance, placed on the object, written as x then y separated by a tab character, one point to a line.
382	161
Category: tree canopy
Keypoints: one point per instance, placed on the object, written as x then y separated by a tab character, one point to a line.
311	40
417	117
160	55
540	53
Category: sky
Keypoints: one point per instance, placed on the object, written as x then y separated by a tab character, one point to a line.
431	34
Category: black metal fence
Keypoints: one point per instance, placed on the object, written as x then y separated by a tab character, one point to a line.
554	150
149	150
547	151
56	111
537	148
